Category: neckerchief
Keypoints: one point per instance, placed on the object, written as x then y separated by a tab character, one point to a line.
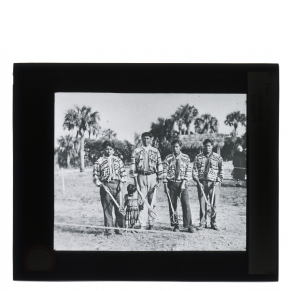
207	165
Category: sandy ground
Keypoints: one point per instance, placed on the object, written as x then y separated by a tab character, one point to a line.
80	204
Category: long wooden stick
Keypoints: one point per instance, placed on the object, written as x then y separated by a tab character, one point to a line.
213	193
107	190
154	196
171	204
63	181
201	188
138	230
144	198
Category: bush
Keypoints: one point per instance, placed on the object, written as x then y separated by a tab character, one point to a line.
191	152
165	149
94	150
229	148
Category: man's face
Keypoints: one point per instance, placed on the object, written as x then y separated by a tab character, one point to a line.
176	148
146	140
208	148
109	151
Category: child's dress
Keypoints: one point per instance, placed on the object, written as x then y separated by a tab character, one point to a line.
132	211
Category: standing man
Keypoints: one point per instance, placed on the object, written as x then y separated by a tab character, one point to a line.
176	174
208	173
109	170
147	169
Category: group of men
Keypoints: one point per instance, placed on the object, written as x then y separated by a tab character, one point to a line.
149	172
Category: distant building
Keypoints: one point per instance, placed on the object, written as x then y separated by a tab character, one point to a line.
195	140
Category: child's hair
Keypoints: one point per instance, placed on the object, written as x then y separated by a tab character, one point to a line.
131	189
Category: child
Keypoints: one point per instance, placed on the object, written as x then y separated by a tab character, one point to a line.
131	204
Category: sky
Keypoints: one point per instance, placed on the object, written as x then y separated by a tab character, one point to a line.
130	113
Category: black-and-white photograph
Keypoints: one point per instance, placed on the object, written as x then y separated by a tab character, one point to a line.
150	172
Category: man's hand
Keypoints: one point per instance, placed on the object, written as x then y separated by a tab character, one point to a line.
158	184
98	183
216	183
183	185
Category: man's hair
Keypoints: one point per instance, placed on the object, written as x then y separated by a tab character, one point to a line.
208	141
108	143
176	141
131	188
146	134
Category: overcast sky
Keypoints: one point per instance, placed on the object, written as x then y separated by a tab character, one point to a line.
130	113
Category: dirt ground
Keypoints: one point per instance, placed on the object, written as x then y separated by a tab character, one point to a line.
80	204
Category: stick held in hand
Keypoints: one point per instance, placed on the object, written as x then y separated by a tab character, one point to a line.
120	208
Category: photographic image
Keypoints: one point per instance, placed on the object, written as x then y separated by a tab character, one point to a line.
150	172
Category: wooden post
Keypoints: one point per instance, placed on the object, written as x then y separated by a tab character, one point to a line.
63	181
57	166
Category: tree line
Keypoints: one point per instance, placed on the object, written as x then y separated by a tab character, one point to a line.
79	151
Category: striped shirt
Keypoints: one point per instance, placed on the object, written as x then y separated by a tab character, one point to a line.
170	168
154	162
103	169
215	167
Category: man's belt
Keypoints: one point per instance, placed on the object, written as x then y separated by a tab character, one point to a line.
111	181
146	173
175	181
206	180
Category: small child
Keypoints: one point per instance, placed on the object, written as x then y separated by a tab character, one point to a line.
131	204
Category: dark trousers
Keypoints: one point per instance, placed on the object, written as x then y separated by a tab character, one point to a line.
175	190
208	190
108	204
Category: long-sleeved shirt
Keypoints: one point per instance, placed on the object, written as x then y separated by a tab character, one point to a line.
109	168
146	161
169	168
215	167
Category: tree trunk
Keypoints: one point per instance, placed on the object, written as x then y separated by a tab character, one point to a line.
68	161
235	135
188	129
218	150
57	166
234	139
82	154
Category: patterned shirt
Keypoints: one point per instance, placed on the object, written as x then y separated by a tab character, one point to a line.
131	201
103	169
154	164
170	168
215	167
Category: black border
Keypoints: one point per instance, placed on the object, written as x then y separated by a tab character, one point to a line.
33	202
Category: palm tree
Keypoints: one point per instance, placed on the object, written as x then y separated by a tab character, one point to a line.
137	139
67	145
188	115
109	134
233	119
84	120
163	129
177	117
206	124
185	114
